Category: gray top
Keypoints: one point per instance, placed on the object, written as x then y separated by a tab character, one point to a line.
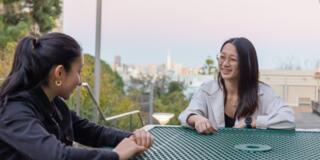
208	101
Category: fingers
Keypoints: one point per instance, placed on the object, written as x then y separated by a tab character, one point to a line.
139	138
137	148
149	140
201	127
140	149
241	124
210	128
198	126
143	138
204	126
127	148
133	138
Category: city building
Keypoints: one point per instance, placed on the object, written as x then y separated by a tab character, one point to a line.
296	87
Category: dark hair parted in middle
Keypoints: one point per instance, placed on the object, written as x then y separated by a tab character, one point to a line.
248	82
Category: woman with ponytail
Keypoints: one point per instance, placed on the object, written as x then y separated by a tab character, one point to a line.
35	122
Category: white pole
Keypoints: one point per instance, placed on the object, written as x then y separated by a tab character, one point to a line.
97	59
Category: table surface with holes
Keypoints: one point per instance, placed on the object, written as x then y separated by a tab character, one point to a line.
176	142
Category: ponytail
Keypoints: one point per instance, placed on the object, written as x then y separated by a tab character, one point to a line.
33	60
20	77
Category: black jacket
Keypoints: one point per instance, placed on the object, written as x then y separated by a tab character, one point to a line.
33	128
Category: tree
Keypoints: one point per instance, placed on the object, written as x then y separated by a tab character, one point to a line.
173	101
6	59
168	96
209	67
175	86
20	17
113	101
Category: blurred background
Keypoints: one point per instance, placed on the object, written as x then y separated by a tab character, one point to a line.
144	59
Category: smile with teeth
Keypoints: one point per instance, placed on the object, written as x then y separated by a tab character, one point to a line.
226	71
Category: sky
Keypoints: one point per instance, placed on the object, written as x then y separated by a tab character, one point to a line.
145	31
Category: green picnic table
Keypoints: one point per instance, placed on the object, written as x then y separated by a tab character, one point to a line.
176	142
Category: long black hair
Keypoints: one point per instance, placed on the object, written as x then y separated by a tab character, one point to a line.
248	83
34	59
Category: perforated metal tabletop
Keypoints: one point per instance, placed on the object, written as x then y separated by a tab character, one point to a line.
175	142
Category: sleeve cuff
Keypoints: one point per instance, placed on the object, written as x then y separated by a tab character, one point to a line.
112	155
261	122
84	154
108	154
184	117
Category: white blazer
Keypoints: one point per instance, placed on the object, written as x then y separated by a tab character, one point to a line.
208	101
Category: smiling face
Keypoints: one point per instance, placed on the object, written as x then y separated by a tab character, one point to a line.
229	63
69	79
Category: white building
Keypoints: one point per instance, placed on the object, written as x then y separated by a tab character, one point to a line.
295	87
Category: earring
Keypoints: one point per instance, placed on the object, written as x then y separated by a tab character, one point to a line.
58	83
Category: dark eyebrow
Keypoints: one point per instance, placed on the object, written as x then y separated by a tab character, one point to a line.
223	53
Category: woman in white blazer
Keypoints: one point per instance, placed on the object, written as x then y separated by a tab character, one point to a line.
237	99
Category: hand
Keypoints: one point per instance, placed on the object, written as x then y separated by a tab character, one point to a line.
142	138
242	124
127	148
201	124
